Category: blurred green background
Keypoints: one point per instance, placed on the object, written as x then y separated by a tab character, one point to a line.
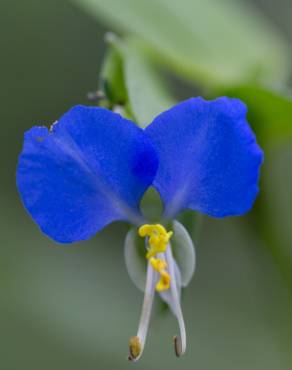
74	307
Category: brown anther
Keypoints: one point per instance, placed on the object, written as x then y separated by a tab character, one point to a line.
134	348
177	346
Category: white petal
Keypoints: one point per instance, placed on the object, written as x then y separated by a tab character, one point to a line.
184	252
135	260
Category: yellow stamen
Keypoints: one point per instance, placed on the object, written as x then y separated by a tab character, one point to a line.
158	238
164	282
158	264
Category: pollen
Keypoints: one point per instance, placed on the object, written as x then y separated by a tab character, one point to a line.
164	282
134	347
158	238
160	266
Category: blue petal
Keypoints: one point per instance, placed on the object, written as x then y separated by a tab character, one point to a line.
209	158
89	170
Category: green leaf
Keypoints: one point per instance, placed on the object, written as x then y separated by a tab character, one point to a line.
269	112
132	75
211	41
184	252
147	94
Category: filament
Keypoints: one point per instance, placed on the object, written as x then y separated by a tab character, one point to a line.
137	343
179	342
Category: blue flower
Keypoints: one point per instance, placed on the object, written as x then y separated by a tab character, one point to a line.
93	167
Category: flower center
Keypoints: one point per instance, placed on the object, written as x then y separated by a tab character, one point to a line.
158	239
161	267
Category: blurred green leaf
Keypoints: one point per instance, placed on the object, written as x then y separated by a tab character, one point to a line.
269	112
211	41
272	215
147	95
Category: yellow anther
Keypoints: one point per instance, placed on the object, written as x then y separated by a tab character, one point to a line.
164	282
158	238
158	264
